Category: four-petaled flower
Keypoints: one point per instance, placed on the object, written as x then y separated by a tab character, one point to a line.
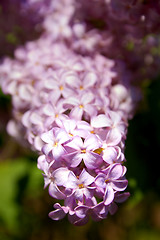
80	185
54	140
79	150
111	180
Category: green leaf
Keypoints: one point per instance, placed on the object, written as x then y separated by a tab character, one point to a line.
10	173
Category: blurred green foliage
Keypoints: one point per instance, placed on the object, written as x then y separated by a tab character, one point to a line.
17	177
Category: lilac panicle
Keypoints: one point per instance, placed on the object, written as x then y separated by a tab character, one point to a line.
72	97
80	142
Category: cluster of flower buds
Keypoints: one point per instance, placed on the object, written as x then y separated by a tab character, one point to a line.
72	103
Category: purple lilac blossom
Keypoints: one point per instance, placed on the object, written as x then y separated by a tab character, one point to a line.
110	24
72	98
80	142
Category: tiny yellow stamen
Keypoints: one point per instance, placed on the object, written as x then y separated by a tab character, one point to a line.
61	88
80	106
83	151
92	132
55	144
81	87
70	134
81	185
56	116
107	180
33	82
98	150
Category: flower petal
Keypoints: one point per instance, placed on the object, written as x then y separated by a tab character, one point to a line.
109	154
100	180
72	181
60	176
113	137
92	160
85	178
108	196
119	185
121	197
59	213
81	211
55	192
116	171
100	121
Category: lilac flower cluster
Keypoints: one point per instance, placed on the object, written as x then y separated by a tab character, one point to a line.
72	100
129	27
72	111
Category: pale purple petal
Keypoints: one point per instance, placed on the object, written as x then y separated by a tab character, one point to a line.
81	211
72	101
108	196
72	181
58	151
92	142
124	170
38	143
113	137
55	192
48	137
99	211
59	213
113	208
62	136
85	178
115	117
73	158
90	110
100	121
79	194
87	98
69	125
100	180
35	118
119	185
90	79
47	148
25	119
25	92
77	113
109	154
47	180
72	80
76	143
92	160
121	197
74	219
88	192
50	83
42	163
83	125
48	110
116	171
81	133
60	176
